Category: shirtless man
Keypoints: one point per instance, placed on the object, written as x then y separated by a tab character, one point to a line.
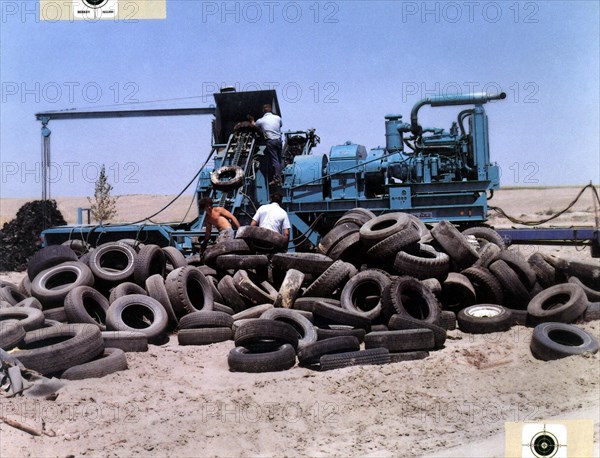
219	217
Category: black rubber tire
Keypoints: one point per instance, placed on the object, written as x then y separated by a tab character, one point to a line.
257	293
218	307
520	266
517	296
355	358
311	354
111	361
424	263
204	336
307	303
434	285
337	233
484	319
265	335
390	246
214	283
77	344
236	246
408	356
329	281
155	286
125	288
52	285
306	331
408	296
328	333
552	341
592	312
457	292
220	178
113	262
197	260
401	340
47	257
563	303
308	263
78	246
487	287
11	294
347	249
239	261
382	227
151	260
128	341
11	334
25	286
447	320
252	312
587	270
544	272
403	322
189	291
174	258
358	215
231	295
261	239
30	302
86	305
422	229
240	359
210	319
290	289
454	244
133	312
592	294
56	314
339	315
363	284
487	254
485	235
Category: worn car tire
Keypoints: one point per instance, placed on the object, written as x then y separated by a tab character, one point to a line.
262	239
113	262
123	289
400	322
11	334
265	335
138	313
563	303
55	349
189	291
552	341
382	227
487	287
401	340
52	285
211	319
355	358
86	305
128	341
364	284
204	336
425	262
310	354
227	177
150	260
110	361
485	235
47	257
306	331
240	359
408	296
454	244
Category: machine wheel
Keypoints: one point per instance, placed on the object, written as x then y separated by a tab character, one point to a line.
484	318
228	177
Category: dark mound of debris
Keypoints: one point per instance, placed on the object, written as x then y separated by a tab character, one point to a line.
20	238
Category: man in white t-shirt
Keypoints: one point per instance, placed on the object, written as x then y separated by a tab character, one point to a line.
270	125
272	216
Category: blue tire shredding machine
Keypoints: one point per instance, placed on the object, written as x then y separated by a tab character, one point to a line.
428	172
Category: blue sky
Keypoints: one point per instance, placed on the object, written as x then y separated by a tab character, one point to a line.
339	67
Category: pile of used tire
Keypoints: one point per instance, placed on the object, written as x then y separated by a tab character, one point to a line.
382	289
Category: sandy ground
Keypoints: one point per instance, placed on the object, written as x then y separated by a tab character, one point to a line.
183	401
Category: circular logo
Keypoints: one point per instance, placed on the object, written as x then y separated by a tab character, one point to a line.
95	3
544	445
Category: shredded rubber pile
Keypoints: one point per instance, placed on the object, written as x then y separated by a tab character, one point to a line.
20	238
